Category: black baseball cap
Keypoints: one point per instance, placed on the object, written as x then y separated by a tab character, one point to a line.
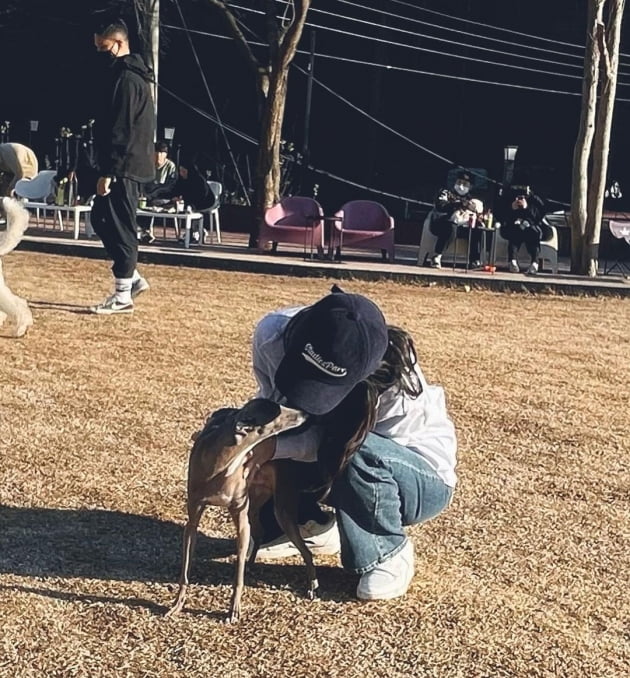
329	348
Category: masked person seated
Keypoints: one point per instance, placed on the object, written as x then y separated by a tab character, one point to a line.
521	214
454	212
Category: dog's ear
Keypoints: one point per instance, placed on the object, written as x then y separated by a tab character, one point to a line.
215	420
258	412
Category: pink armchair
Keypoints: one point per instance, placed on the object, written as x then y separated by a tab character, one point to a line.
365	224
297	220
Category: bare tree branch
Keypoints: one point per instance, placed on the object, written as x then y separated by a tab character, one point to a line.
294	32
237	34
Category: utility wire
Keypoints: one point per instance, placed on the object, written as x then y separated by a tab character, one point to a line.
214	107
408	70
496	28
434	51
467	34
472	45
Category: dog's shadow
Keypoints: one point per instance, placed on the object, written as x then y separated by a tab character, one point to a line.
111	545
59	306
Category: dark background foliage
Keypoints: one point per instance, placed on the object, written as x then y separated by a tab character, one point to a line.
49	57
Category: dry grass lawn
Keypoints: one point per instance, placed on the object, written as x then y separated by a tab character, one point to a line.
525	575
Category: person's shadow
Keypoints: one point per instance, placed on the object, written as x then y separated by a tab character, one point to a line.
111	545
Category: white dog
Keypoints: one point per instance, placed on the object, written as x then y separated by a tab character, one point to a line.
11	305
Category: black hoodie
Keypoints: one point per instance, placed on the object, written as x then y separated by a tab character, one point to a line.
125	121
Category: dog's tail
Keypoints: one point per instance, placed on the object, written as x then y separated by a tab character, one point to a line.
17	223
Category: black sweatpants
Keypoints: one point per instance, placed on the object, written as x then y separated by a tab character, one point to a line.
444	230
113	218
531	236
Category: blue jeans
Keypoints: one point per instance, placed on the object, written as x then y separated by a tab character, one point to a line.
384	487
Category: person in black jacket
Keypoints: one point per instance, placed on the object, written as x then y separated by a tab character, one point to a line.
521	217
193	188
454	212
124	133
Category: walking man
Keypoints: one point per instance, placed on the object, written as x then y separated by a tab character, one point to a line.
124	132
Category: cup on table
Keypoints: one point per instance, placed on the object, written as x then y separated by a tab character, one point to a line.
180	205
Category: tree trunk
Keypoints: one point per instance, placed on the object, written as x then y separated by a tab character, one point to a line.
584	142
268	168
609	49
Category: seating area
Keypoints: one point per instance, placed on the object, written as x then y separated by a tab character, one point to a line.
494	254
359	224
359	231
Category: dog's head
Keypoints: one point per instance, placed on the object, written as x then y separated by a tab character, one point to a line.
263	418
258	419
230	433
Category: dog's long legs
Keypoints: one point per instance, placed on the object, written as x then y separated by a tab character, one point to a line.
190	538
15	307
241	520
286	500
260	491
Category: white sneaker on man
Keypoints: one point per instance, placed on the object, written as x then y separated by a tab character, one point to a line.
514	267
389	579
138	286
320	540
113	305
436	261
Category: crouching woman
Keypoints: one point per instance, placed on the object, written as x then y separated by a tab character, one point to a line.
380	438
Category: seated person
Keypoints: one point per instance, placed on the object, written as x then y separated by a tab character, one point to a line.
193	188
521	214
160	190
453	213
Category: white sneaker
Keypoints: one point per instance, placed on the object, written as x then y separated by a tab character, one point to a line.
513	267
112	305
321	540
389	579
436	262
533	268
139	286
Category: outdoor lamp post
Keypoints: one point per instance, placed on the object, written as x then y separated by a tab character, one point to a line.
33	127
509	155
169	133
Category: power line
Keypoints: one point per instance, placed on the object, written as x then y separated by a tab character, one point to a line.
404	69
472	45
493	27
433	51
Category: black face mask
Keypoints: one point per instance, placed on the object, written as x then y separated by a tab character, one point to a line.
106	58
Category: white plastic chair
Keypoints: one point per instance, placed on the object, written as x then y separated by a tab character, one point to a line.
213	211
428	240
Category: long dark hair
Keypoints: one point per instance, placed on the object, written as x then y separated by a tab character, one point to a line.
346	427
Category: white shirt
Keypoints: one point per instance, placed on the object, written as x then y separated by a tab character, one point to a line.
420	424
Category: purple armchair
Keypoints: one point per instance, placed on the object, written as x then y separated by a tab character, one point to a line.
365	224
297	220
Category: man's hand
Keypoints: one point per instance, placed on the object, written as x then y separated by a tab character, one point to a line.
103	186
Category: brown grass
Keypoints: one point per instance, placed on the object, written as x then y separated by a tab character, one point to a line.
525	575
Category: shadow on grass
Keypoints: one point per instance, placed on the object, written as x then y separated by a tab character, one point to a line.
59	306
116	546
